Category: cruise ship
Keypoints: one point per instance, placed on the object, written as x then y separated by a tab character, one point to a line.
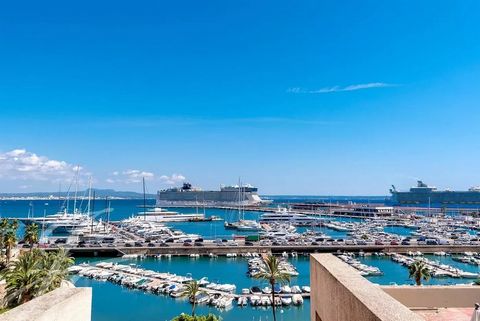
425	194
187	195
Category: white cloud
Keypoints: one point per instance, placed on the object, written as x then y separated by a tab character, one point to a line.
130	176
135	176
172	179
298	90
24	165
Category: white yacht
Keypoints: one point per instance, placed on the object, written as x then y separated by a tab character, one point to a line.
244	225
158	214
58	218
285	215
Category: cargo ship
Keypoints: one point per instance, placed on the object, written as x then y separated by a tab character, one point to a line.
425	194
187	195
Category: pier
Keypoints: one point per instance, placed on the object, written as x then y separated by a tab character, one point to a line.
214	294
332	209
207	249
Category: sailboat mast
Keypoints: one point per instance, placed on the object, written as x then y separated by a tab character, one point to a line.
93	209
89	195
107	208
144	201
76	190
108	214
239	200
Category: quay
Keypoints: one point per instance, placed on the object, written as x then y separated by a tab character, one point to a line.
180	250
342	210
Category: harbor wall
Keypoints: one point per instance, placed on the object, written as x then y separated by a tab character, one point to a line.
202	196
72	304
177	249
435	296
338	292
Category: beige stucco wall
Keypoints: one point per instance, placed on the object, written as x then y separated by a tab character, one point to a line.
435	296
62	304
339	293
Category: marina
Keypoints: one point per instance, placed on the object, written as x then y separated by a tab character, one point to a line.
154	258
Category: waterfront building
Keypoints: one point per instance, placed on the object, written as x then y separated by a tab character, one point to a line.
361	210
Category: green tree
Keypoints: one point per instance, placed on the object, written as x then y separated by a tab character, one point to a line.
191	291
272	272
34	273
10	241
31	234
54	266
21	278
186	317
3	229
14	225
418	270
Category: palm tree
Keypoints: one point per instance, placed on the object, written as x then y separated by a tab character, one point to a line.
9	240
31	234
22	278
418	270
54	266
14	225
35	273
272	272
186	317
191	291
3	230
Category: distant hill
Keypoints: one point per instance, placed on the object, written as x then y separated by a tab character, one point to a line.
99	193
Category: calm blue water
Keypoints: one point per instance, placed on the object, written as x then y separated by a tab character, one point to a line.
397	273
121	209
398	230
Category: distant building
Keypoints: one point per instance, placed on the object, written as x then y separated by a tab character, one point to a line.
362	210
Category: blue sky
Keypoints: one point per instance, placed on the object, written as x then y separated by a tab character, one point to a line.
304	97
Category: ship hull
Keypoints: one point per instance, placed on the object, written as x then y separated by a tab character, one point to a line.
193	198
440	197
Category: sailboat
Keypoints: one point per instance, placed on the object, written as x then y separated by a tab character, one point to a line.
158	214
242	224
63	221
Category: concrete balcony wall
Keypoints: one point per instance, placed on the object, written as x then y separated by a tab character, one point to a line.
62	304
339	293
435	296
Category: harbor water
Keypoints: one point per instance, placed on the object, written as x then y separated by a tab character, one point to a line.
113	302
